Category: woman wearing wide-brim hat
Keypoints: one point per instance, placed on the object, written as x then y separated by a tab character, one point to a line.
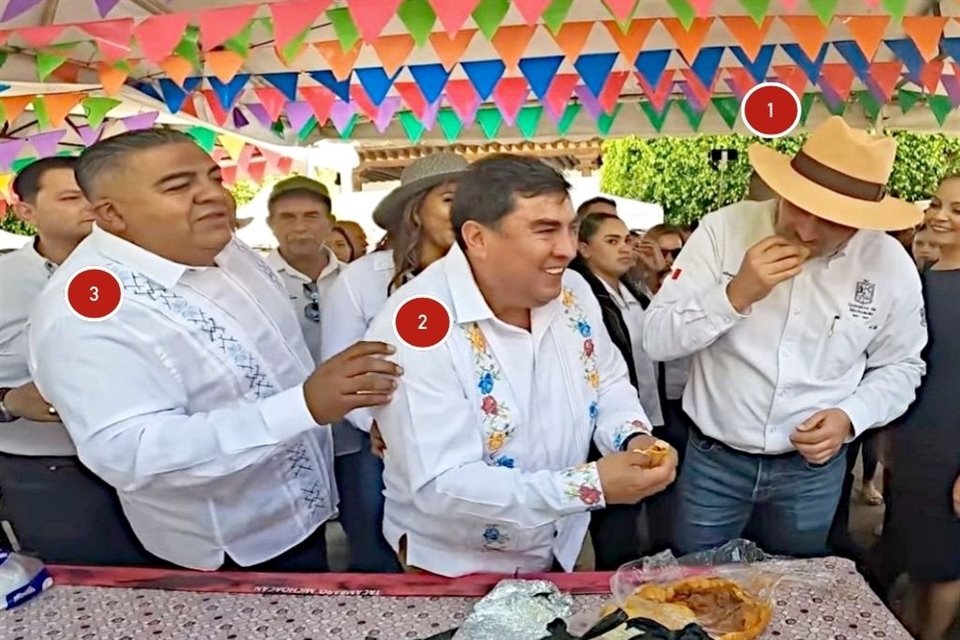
804	320
416	217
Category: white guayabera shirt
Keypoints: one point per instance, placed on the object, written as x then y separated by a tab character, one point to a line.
189	401
488	433
847	332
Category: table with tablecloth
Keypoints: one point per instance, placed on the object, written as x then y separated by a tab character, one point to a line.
140	604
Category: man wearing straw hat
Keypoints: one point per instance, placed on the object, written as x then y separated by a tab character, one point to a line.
805	322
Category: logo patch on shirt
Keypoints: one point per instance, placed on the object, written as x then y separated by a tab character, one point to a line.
862	306
864	292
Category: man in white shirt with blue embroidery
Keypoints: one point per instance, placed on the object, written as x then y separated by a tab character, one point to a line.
488	434
198	399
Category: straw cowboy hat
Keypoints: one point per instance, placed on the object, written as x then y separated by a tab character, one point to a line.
839	175
422	175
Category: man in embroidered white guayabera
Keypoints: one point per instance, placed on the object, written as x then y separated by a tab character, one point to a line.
487	437
198	399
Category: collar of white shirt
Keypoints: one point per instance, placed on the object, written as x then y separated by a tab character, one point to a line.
275	260
159	269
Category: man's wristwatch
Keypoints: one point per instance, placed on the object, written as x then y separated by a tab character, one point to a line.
5	415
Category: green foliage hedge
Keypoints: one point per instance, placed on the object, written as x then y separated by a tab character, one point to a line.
677	174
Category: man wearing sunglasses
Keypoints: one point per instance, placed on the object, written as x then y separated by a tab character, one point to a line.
656	252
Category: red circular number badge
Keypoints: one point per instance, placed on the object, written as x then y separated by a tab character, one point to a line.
94	294
422	322
770	110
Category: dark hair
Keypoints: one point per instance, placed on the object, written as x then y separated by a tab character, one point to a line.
586	204
111	153
590	224
302	192
487	190
27	183
405	243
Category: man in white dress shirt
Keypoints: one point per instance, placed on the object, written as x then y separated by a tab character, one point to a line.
805	322
80	521
488	434
198	399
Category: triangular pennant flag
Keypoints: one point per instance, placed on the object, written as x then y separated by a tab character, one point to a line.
430	114
189	47
684	11
463	98
694	115
740	81
412	126
895	8
298	114
871	106
867	32
886	75
488	15
140	121
217	111
594	68
630	42
811	67
706	64
147	89
854	57
809	32
606	120
232	144
239	120
658	95
40	113
224	64
572	37
97	108
589	102
450	50
412	97
511	43
689	41
489	120
271	158
9	150
388	108
952	86
393	51
112	37
906	51
341	62
824	9
539	72
205	138
344	27
47	63
693	92
174	95
285	82
792	76
290	19
925	31
484	74
228	92
759	67
452	15
556	14
931	75
45	144
450	124
610	94
90	136
749	34
941	107
375	82
228	174
651	64
362	101
729	109
840	78
59	106
260	113
158	35
756	9
177	69
256	171
656	118
219	25
528	120
510	96
16	8
340	88
18	165
431	79
531	10
111	79
621	10
806	104
343	115
907	99
560	92
951	47
371	16
418	17
40	37
569	116
272	100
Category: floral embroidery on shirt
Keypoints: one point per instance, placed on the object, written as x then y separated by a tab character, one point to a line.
497	427
626	431
493	538
578	321
582	483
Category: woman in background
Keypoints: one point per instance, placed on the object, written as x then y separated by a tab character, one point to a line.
416	216
339	243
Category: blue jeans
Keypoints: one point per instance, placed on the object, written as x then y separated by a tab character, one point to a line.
789	502
360	484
